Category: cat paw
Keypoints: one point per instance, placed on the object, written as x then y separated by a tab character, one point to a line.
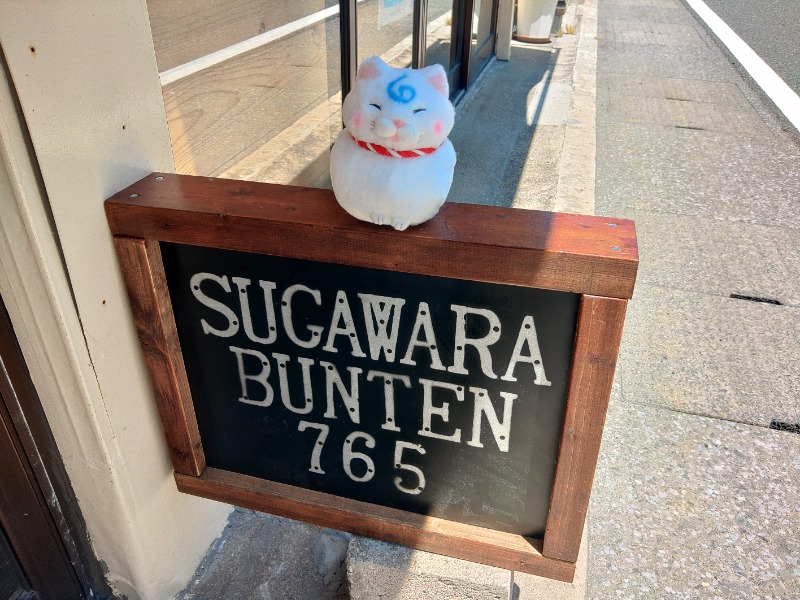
400	224
378	219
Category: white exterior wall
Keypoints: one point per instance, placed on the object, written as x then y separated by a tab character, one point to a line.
87	82
505	26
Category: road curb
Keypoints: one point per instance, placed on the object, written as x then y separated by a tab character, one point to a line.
576	169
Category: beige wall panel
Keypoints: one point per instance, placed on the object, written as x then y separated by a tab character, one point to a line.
87	81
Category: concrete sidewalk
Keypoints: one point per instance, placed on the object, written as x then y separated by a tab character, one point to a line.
695	495
525	134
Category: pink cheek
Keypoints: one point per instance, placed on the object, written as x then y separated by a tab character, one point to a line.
438	127
356	120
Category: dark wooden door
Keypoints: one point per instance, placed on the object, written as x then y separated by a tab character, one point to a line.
34	562
13	583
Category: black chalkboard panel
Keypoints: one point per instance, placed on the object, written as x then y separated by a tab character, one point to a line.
438	396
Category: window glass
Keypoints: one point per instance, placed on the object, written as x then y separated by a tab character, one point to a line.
252	88
482	36
385	29
439	33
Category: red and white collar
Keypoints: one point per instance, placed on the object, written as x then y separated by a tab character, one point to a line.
383	151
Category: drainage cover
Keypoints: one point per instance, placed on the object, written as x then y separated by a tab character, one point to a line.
757	299
781	426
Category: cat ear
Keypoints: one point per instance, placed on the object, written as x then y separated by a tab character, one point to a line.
371	68
437	77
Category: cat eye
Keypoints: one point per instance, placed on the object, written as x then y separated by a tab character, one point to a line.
376	106
418	110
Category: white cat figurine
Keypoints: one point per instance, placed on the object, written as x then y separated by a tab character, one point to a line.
393	164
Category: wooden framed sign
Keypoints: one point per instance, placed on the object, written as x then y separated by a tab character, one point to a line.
444	387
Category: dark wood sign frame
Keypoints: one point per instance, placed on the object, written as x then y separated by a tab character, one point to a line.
593	256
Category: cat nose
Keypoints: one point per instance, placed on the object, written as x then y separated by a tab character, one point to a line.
398	123
384	127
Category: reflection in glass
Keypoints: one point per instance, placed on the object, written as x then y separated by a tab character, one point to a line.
251	89
439	32
482	36
385	29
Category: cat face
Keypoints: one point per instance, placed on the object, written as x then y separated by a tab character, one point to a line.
402	109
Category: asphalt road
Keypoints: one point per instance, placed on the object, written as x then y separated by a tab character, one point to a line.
771	28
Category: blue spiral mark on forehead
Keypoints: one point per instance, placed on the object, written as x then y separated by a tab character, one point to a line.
401	93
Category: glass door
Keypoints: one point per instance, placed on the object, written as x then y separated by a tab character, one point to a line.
458	34
462	36
484	27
